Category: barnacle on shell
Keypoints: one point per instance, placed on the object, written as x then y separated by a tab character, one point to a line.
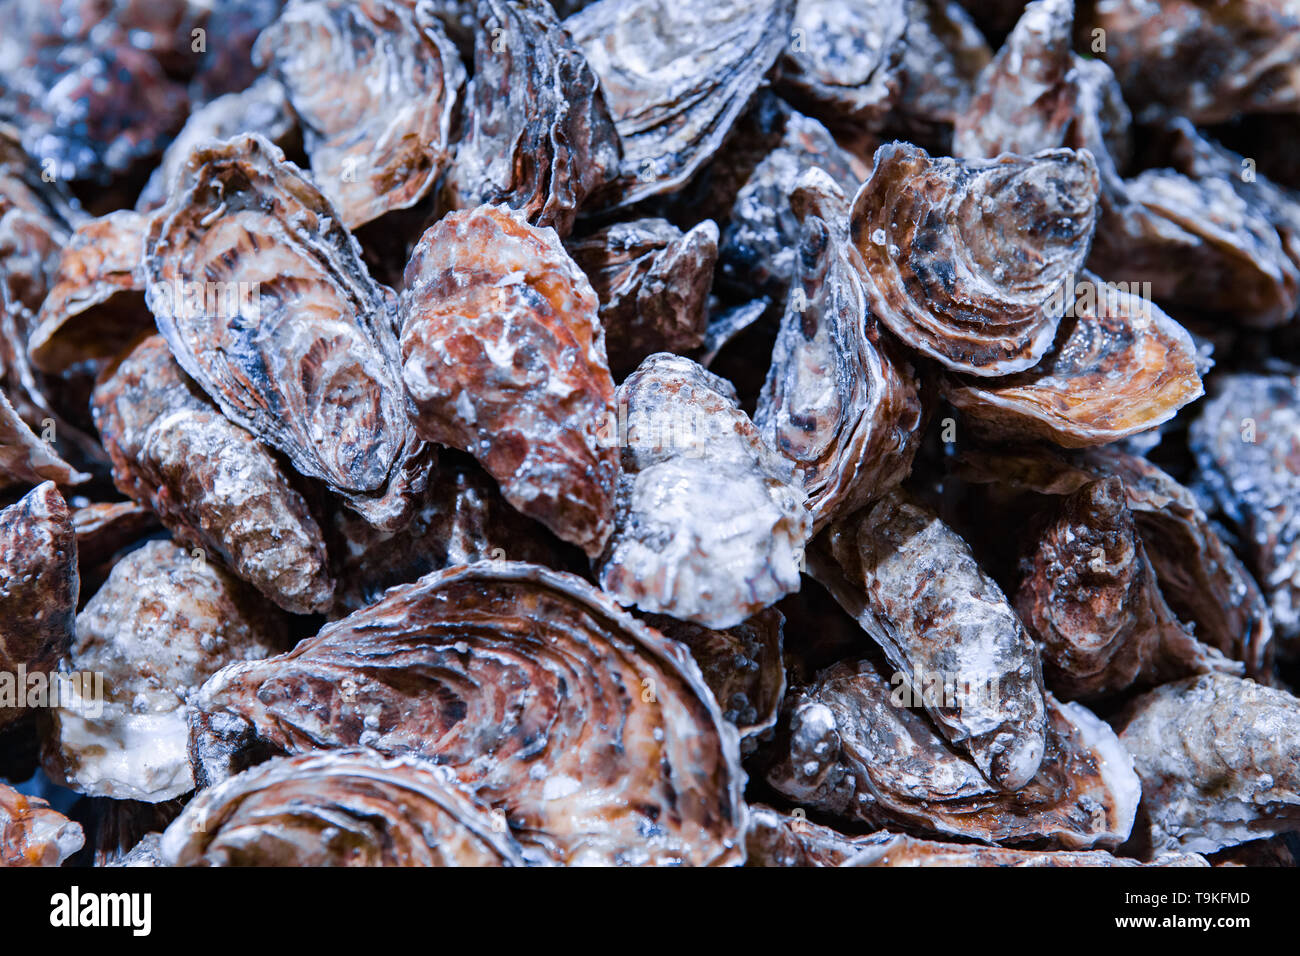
839	401
967	260
597	736
164	621
211	482
262	296
31	834
504	358
38	595
339	808
375	92
709	527
915	588
1121	367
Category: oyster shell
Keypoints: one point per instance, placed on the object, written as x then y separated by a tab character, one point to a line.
902	850
943	54
504	358
307	360
980	298
341	808
164	621
1091	600
915	588
597	735
383	149
1219	762
26	459
38	597
31	834
538	137
210	482
851	752
839	402
709	527
791	839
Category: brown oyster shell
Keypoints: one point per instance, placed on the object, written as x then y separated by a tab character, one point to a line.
26	459
1091	599
164	621
839	402
504	358
538	135
676	77
315	373
1123	367
943	54
103	528
775	838
339	808
38	595
1247	443
31	834
709	527
981	298
851	752
96	306
375	93
210	482
915	588
653	282
906	851
1219	762
597	735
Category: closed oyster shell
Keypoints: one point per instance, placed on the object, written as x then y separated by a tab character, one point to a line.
1091	599
943	53
164	621
676	77
308	362
375	93
1219	761
1247	443
966	260
211	482
852	753
1123	367
915	588
839	402
31	834
38	594
597	735
653	281
341	808
26	459
787	839
538	136
504	358
709	527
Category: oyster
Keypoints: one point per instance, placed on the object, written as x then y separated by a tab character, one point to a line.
538	137
791	839
379	151
104	528
943	54
839	402
1122	366
709	527
38	597
915	588
653	283
212	484
26	459
164	621
946	272
292	339
1219	762
504	358
902	850
597	735
676	77
1091	600
850	751
341	808
31	834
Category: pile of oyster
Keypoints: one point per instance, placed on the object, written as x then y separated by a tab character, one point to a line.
515	432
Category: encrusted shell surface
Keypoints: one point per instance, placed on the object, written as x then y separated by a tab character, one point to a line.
504	358
210	482
709	527
305	357
966	260
31	834
597	735
340	808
